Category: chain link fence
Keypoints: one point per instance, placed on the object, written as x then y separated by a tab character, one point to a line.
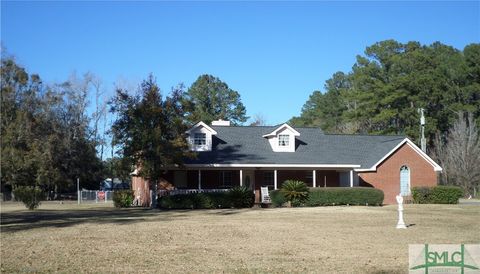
95	196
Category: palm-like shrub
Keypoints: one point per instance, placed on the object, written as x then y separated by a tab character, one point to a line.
296	192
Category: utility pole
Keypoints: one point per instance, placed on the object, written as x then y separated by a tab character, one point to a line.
423	141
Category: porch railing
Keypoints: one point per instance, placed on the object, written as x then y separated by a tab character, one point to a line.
164	192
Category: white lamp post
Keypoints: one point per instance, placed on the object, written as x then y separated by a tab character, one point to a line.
401	223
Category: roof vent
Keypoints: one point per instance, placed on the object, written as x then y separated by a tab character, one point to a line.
221	122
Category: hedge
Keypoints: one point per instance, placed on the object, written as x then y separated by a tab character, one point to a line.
326	196
437	195
237	197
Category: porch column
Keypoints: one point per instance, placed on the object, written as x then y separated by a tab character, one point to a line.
275	179
241	177
199	179
314	178
351	178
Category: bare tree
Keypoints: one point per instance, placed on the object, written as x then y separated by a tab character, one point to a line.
99	114
78	90
259	120
459	154
350	127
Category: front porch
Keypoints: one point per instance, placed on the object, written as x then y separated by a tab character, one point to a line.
220	179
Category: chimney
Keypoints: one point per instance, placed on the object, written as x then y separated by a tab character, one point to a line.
221	122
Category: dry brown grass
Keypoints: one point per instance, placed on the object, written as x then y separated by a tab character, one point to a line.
96	238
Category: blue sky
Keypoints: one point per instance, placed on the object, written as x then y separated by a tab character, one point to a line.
274	53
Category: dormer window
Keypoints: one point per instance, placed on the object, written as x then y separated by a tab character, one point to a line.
283	140
200	139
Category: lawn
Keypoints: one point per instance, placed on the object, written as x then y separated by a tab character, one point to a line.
98	238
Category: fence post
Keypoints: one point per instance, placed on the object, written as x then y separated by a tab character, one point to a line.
96	197
78	191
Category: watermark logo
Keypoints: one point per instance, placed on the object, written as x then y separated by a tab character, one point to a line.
444	258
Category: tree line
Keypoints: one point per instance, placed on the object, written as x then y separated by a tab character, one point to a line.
49	138
387	86
54	134
390	82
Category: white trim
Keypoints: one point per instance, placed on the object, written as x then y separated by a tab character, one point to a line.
275	179
274	133
202	124
241	177
351	178
435	166
274	165
314	178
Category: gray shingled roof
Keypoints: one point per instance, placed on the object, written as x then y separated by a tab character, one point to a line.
245	145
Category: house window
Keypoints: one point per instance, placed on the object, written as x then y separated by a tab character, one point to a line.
226	178
283	140
200	139
309	178
268	178
404	181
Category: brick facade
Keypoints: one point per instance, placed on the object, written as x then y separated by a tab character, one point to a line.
387	176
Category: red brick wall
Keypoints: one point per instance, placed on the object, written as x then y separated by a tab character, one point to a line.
387	176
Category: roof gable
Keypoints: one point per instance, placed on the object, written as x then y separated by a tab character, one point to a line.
436	167
281	128
201	124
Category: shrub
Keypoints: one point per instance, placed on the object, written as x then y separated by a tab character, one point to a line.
123	198
437	195
446	194
30	196
238	197
277	197
345	196
185	201
165	202
296	192
241	197
219	200
421	195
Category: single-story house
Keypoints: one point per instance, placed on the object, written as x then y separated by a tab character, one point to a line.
256	156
